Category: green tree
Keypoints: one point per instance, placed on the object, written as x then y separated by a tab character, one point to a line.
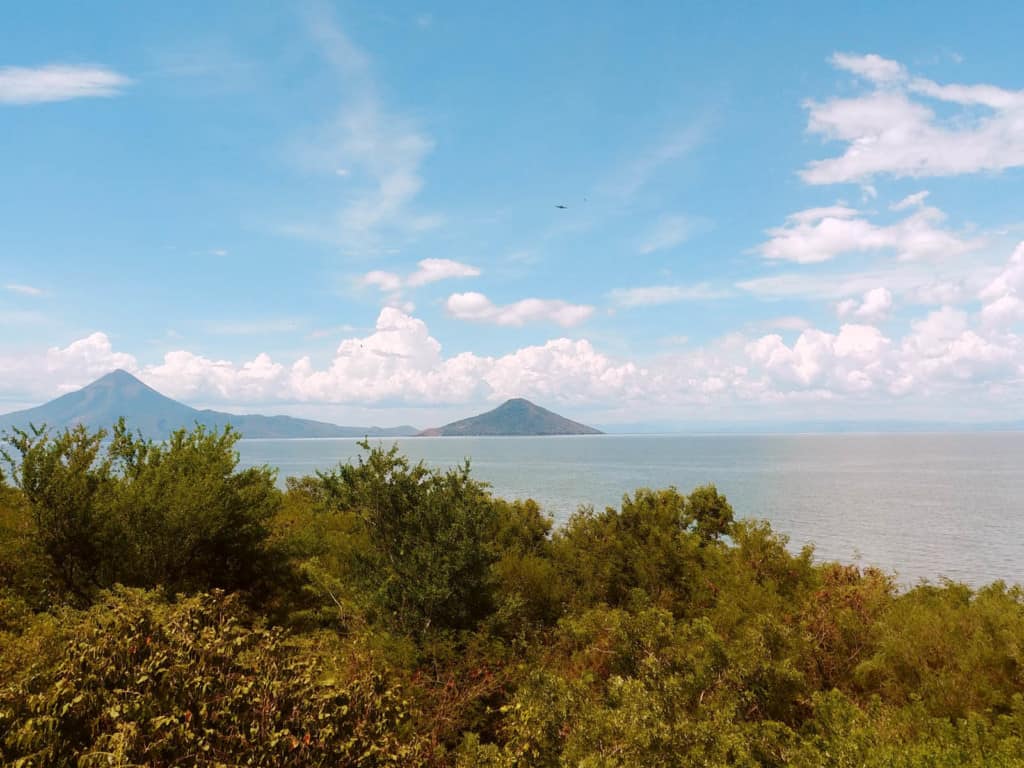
127	510
657	542
67	482
431	538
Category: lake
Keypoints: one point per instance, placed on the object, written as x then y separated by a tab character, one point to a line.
922	506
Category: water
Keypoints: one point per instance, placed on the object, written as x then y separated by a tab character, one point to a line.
922	506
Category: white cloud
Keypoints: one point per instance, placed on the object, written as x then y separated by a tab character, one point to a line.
915	200
943	349
58	82
652	295
401	362
428	271
949	360
24	290
914	282
57	370
871	67
564	370
477	307
851	360
873	306
943	357
380	151
891	130
87	358
186	375
386	281
433	270
1003	297
821	234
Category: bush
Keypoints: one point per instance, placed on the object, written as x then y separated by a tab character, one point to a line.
429	623
429	536
124	510
143	682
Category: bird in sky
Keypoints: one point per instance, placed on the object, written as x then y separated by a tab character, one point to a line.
563	207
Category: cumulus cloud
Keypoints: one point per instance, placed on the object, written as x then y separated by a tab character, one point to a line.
871	67
433	270
950	354
58	82
852	360
58	370
401	362
186	375
1004	297
873	306
893	130
652	295
478	308
87	358
942	348
821	234
428	271
386	281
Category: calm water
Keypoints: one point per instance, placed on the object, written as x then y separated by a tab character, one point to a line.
922	506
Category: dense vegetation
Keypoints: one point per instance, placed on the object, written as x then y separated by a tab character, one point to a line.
160	607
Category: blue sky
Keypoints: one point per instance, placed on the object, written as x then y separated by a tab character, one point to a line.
344	212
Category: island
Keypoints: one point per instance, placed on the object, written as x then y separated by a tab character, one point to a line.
515	417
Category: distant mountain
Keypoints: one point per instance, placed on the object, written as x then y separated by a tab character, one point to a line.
514	417
117	394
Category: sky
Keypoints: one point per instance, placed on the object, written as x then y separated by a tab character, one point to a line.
652	214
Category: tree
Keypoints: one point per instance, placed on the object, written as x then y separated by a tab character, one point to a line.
127	510
67	483
430	536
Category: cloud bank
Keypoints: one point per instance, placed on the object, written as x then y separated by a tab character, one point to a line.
944	352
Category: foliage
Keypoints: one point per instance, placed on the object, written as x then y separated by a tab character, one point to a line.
25	571
427	532
124	510
389	613
146	683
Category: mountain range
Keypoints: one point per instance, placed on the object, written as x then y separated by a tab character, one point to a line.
119	394
100	404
